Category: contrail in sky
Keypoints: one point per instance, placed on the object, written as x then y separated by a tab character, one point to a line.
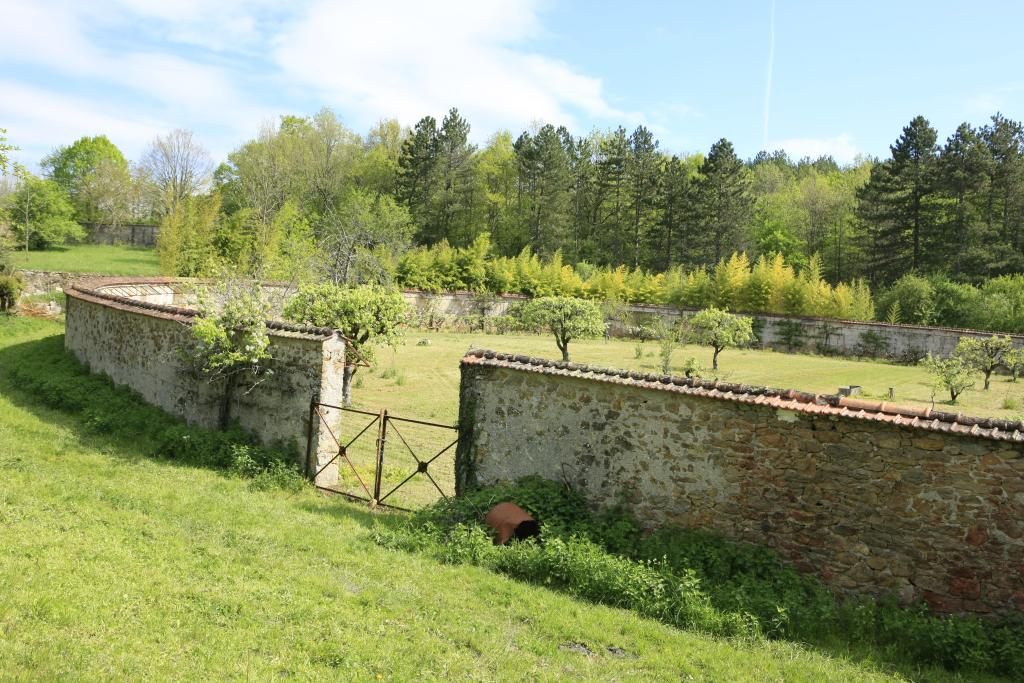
768	81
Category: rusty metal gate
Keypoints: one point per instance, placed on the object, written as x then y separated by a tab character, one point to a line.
375	473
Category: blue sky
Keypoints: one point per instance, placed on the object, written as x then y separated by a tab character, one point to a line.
823	77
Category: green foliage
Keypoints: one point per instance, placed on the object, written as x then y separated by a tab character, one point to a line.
691	368
11	287
5	152
792	333
692	579
720	330
229	335
566	318
913	298
872	344
368	316
58	380
983	355
360	235
951	374
1014	361
187	243
894	316
229	341
73	166
665	349
41	215
769	285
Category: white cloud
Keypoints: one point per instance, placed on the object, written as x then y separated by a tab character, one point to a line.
121	67
38	120
407	58
841	147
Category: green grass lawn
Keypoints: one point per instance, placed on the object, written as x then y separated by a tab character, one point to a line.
106	259
426	378
118	566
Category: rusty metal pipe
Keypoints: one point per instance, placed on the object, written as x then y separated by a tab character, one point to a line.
511	521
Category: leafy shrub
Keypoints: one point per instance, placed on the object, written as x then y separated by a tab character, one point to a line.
693	579
768	285
872	344
914	297
10	289
792	334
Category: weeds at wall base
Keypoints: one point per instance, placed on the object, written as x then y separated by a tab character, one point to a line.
698	581
57	380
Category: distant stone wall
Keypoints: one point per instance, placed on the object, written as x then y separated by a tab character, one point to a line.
130	330
46	281
822	335
134	234
872	498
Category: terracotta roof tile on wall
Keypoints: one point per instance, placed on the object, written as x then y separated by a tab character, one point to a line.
787	399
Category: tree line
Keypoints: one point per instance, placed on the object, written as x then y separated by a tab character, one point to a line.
308	195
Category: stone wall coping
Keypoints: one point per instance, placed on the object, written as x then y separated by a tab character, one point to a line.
786	399
91	289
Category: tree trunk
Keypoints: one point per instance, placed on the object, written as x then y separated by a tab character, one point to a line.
224	417
565	353
988	376
346	385
714	359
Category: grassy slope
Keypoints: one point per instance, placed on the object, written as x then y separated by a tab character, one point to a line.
92	258
118	566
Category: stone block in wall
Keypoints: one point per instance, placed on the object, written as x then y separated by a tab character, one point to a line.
137	344
873	502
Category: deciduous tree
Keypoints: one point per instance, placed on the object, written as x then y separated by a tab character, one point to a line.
178	165
368	316
720	330
950	374
984	355
567	318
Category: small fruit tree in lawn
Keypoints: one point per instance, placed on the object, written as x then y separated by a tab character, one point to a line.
567	318
951	374
720	330
984	355
368	316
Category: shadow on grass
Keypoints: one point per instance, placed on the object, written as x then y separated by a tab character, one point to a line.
39	377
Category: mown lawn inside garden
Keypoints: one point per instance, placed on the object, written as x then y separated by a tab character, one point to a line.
106	259
119	566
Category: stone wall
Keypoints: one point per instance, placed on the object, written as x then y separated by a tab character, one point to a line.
135	340
134	234
822	335
46	281
871	497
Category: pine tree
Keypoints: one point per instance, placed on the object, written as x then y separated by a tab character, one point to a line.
544	185
611	218
643	175
580	157
453	202
724	201
964	166
897	202
416	171
674	196
1004	209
